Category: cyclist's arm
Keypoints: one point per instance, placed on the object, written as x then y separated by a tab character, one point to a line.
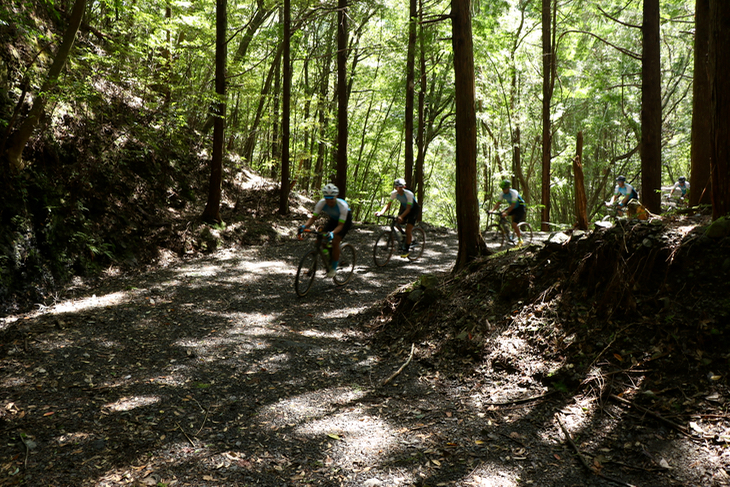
338	228
403	215
309	222
385	208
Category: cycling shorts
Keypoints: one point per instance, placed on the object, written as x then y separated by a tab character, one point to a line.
412	216
518	214
332	224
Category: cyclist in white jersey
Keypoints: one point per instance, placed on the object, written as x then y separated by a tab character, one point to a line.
408	213
681	187
516	208
339	223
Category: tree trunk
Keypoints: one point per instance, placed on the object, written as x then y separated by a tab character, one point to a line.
250	143
651	110
581	202
471	243
719	70
420	142
275	128
410	89
699	177
547	93
286	107
17	141
342	33
256	22
211	213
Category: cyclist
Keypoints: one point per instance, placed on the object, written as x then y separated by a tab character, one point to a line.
682	188
516	207
408	213
623	193
339	223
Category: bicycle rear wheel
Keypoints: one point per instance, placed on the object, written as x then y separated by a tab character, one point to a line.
494	235
383	248
346	267
418	243
526	231
305	273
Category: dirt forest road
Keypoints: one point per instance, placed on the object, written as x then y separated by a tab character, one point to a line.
214	373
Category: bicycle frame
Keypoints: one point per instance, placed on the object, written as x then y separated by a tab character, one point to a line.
319	245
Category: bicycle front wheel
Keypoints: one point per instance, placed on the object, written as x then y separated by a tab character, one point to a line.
383	248
526	231
418	243
305	273
494	235
346	267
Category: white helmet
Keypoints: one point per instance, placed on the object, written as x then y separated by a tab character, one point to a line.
399	182
330	190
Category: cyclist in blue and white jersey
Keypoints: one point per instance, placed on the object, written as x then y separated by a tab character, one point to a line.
408	213
516	207
339	223
681	187
623	193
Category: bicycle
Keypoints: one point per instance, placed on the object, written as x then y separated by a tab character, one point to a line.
502	232
396	235
322	252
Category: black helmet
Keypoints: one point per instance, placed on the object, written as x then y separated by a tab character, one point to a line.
621	178
682	179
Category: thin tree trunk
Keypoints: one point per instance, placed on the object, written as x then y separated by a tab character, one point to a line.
342	33
17	141
211	213
250	143
581	202
699	176
651	109
471	243
275	159
420	142
286	107
719	69
410	89
547	93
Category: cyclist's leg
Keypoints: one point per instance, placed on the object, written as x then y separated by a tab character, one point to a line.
411	220
518	216
338	239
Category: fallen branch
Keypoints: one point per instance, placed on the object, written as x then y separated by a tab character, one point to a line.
395	374
583	459
186	435
674	425
521	400
575	447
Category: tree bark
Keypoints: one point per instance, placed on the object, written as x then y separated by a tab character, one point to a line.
719	69
547	93
286	107
211	213
342	34
420	141
699	177
410	91
651	109
581	201
471	243
17	141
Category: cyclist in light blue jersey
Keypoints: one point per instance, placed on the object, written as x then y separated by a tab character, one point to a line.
408	213
516	208
339	223
623	193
